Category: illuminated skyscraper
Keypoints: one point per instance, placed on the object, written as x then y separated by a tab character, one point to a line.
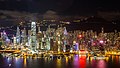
65	39
24	37
59	33
39	38
29	38
48	33
39	29
33	36
4	37
14	40
18	36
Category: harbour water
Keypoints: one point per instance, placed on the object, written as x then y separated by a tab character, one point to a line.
74	61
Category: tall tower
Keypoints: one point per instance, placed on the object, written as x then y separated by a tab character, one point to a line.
33	36
4	37
23	36
102	30
18	36
65	39
39	29
48	33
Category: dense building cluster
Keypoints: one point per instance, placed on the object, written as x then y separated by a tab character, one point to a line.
60	40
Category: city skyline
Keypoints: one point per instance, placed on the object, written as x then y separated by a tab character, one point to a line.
59	34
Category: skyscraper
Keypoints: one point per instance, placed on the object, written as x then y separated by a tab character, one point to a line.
24	37
65	39
4	37
18	36
33	36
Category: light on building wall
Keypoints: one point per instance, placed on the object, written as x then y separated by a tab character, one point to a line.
58	42
59	35
93	43
74	42
33	23
101	41
80	36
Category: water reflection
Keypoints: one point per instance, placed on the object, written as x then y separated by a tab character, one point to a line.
82	62
79	61
66	59
107	59
17	62
75	61
113	58
24	62
117	59
59	63
101	64
93	63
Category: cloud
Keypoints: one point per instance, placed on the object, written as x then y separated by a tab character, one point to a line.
50	15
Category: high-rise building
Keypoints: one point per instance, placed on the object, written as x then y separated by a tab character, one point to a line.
4	37
18	36
48	33
28	38
14	40
59	33
24	37
39	38
33	36
65	39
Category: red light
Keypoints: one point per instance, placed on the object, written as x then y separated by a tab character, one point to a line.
93	43
80	36
82	50
82	62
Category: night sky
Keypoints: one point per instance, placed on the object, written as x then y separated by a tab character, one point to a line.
64	7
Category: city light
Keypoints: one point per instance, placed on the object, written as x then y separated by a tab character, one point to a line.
101	41
80	36
59	34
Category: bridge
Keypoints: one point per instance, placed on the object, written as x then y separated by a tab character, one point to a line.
9	51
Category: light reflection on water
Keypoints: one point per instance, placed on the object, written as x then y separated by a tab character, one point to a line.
75	61
66	59
59	63
79	61
101	64
24	62
82	60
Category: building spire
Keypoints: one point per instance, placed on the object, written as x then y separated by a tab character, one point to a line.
65	31
102	31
